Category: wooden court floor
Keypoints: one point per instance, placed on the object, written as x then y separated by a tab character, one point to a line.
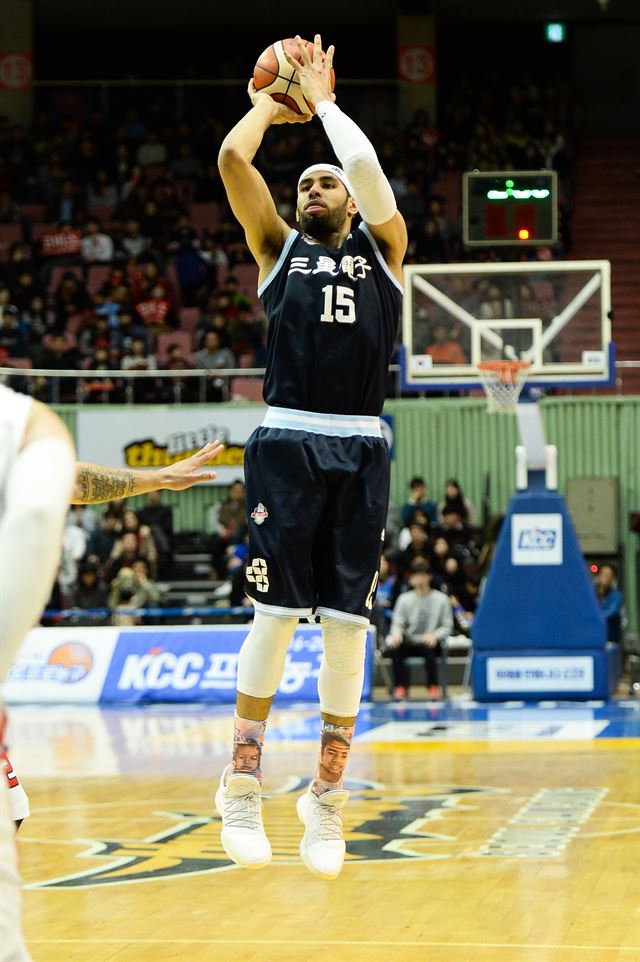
470	839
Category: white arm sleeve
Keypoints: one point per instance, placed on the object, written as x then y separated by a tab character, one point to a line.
36	500
371	189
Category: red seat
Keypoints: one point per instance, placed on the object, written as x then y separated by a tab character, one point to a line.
58	272
183	338
205	216
102	212
22	362
40	229
9	234
246	389
33	211
189	317
98	274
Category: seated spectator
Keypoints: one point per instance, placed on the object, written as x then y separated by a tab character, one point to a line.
443	348
386	595
37	320
89	591
422	621
448	566
146	545
418	501
71	298
13	342
156	311
123	554
158	518
153	152
186	167
65	205
137	358
228	524
178	389
97	247
464	603
212	356
455	531
132	588
102	540
418	547
611	601
74	544
133	243
101	388
102	192
454	497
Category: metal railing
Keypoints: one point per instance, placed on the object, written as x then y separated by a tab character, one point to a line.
54	392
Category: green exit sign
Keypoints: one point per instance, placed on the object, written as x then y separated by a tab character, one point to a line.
555	32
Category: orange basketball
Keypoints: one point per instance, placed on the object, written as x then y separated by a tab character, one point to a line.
273	75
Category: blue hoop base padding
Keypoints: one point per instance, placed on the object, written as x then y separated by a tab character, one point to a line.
536	675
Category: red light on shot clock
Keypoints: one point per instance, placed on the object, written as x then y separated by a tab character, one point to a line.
523	234
594	569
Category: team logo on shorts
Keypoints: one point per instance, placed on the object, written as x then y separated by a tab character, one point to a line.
257	574
260	513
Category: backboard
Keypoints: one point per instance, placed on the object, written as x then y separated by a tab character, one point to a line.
556	315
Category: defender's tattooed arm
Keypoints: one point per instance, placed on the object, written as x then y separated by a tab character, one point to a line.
95	483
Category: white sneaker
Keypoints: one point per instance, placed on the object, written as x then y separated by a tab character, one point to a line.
322	847
239	802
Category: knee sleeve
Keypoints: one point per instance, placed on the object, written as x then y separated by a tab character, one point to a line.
342	668
262	656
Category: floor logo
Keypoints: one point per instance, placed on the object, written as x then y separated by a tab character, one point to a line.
383	825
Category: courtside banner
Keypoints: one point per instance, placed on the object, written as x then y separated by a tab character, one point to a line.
61	665
160	435
199	663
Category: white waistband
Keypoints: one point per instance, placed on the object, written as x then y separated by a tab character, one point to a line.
341	425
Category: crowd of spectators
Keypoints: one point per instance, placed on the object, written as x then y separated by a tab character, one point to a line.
120	237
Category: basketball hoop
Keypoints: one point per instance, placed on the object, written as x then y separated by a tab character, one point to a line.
502	382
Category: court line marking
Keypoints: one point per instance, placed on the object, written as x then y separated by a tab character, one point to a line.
337	942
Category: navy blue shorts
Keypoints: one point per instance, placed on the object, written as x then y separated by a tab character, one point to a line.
317	497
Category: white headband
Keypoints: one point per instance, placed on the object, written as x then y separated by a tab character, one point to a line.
330	169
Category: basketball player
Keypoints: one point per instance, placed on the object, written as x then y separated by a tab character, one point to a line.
38	479
317	470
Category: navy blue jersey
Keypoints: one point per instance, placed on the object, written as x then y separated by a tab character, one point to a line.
333	318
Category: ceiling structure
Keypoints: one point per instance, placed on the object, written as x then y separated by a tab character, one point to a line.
167	12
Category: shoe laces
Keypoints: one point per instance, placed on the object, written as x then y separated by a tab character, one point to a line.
329	819
243	811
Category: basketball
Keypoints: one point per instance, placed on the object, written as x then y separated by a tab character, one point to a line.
273	75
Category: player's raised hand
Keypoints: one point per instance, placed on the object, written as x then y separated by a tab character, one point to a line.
315	75
184	474
281	114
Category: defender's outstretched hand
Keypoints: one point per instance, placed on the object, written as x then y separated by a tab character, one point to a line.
314	75
182	474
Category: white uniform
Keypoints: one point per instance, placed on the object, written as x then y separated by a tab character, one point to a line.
14	412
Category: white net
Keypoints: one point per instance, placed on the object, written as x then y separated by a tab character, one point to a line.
503	382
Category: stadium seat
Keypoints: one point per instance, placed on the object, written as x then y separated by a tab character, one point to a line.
183	338
189	317
98	274
102	212
205	216
246	389
34	212
43	228
9	234
21	362
58	272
